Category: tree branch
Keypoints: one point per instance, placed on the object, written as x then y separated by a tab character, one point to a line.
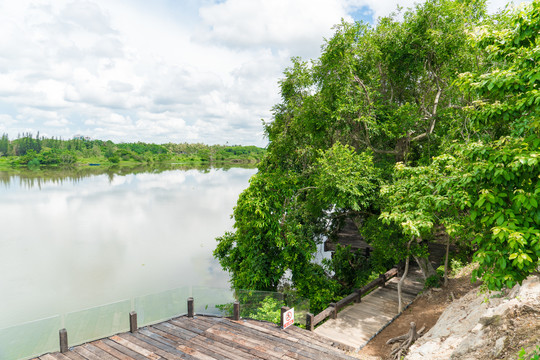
433	114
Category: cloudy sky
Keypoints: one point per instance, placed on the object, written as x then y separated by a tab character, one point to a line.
158	71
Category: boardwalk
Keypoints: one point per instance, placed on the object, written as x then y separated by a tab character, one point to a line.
204	337
348	235
358	323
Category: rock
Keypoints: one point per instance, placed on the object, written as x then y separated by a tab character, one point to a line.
477	327
499	346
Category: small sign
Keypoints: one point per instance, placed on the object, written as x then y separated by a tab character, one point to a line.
288	318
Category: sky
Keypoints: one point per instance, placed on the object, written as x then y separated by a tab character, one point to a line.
159	71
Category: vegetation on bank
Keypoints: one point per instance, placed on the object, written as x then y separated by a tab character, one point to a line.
30	151
423	127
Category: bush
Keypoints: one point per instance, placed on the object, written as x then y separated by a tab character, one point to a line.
534	356
433	281
33	163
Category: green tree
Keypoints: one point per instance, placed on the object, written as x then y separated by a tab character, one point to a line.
374	92
4	145
505	92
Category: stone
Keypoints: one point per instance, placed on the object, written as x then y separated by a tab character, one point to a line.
499	346
476	327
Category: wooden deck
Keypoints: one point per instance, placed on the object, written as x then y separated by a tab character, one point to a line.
358	323
348	235
204	337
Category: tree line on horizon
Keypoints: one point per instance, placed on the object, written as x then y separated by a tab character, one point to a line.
39	150
424	127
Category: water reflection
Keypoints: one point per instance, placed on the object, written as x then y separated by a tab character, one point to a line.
37	177
76	240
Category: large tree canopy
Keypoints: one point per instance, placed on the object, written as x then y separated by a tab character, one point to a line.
382	128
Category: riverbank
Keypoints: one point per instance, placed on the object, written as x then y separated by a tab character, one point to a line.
35	152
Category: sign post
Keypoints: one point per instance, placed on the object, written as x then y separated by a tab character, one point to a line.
288	318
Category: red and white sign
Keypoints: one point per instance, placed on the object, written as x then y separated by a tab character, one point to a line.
288	318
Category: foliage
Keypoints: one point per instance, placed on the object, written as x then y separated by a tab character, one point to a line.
269	310
505	89
33	163
54	152
535	355
502	179
373	92
281	216
350	268
434	281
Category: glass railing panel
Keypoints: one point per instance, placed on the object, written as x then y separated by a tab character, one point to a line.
301	308
260	305
212	301
162	306
96	323
265	305
31	339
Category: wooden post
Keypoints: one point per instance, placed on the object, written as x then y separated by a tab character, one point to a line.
309	321
358	298
383	280
236	311
284	309
63	341
132	322
334	313
190	307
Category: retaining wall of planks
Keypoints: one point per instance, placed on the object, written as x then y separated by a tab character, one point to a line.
333	309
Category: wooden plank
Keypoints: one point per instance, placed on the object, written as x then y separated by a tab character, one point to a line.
249	346
202	341
189	326
123	349
54	356
279	339
300	347
323	315
197	354
312	338
346	300
353	339
195	325
111	350
99	352
136	348
47	357
162	337
164	350
85	353
72	355
175	330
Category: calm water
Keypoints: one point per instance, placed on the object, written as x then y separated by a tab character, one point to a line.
70	242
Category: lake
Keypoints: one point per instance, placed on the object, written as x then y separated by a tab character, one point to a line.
75	240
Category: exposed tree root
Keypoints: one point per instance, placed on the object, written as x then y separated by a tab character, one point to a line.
406	341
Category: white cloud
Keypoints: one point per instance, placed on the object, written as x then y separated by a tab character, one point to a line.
157	71
277	23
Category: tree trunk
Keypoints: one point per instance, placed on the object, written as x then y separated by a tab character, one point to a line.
402	149
446	261
425	266
406	341
400	283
